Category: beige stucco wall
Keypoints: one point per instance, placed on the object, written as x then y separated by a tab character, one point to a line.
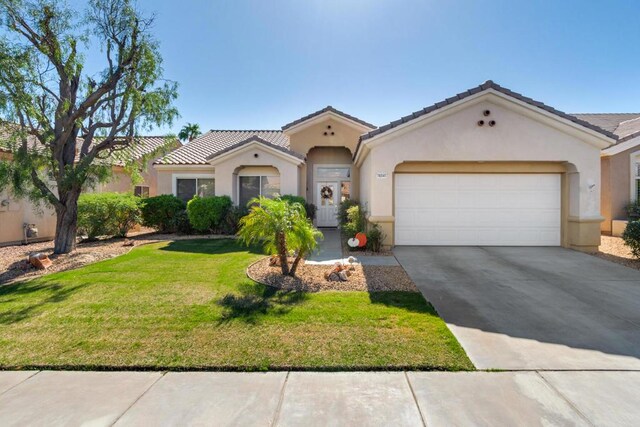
121	182
519	136
228	166
616	186
20	211
345	135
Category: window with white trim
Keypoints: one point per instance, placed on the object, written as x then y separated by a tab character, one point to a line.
254	186
187	188
141	191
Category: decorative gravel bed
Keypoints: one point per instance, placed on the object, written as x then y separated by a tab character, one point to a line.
310	278
14	265
613	249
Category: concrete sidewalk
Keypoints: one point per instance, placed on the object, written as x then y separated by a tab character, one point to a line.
318	399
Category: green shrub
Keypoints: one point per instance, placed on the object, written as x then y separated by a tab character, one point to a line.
181	223
161	212
208	213
631	237
356	221
375	236
107	214
633	211
342	210
309	208
231	221
293	199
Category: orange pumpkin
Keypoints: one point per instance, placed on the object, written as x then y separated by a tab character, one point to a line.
362	238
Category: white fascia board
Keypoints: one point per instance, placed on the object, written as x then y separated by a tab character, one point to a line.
181	166
623	146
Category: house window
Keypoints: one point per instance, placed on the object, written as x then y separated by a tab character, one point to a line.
141	191
254	186
345	190
187	188
333	173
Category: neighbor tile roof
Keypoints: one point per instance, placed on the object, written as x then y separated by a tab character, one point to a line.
607	121
624	125
144	145
327	109
485	86
206	145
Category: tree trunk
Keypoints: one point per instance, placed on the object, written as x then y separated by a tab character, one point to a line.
294	266
66	224
282	253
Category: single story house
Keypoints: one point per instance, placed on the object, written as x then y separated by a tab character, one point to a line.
14	212
620	165
485	167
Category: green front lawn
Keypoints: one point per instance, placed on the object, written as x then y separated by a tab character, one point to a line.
188	304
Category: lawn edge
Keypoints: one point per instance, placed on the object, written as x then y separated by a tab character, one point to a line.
217	368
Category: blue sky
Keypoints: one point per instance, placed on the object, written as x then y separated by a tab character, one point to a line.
258	64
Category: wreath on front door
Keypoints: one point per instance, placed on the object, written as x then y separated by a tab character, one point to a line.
326	192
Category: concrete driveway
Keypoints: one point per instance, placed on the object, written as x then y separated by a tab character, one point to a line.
532	308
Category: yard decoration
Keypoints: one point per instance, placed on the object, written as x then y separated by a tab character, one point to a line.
362	240
326	192
353	242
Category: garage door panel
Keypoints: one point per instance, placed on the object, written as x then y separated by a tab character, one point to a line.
478	209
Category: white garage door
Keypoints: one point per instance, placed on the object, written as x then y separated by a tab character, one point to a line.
477	209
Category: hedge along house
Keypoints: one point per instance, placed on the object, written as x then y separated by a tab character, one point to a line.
15	212
485	167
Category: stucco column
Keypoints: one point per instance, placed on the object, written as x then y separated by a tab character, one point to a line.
584	207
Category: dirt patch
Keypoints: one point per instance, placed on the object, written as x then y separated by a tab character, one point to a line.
613	249
14	265
310	278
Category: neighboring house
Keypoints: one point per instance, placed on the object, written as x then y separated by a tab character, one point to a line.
14	212
152	147
485	167
620	168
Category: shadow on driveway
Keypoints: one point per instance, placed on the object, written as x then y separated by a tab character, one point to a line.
532	308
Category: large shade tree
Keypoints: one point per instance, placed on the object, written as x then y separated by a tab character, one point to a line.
63	120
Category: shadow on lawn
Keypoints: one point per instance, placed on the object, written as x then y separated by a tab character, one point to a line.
210	246
51	293
410	301
251	305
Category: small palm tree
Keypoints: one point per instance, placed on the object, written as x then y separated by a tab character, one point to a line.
189	132
280	226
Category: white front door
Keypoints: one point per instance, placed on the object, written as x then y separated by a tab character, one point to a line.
327	200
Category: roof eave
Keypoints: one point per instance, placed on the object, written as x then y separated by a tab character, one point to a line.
598	137
320	115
